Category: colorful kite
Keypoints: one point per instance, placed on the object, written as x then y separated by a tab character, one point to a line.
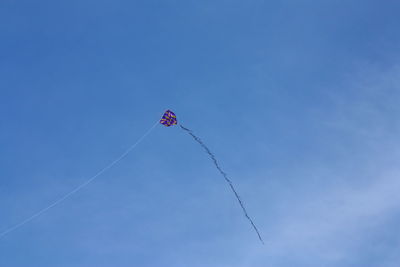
169	119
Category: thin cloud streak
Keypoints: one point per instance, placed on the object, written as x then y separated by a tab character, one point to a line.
333	225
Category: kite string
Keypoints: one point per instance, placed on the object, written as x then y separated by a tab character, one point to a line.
226	179
78	188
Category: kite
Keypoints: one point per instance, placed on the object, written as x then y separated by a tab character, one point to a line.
169	119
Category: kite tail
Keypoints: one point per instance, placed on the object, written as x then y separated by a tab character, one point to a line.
226	179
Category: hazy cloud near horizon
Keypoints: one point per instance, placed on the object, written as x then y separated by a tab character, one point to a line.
349	214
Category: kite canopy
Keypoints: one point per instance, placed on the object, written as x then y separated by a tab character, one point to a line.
168	119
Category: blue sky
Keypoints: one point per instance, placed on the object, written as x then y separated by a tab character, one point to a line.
297	99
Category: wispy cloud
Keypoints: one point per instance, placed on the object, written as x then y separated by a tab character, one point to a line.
345	223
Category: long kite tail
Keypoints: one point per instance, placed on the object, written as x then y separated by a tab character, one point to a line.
225	177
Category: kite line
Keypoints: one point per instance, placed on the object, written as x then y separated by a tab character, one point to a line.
225	177
78	188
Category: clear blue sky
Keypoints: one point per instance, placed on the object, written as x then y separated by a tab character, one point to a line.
299	100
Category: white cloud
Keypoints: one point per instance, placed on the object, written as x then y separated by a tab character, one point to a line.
338	226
